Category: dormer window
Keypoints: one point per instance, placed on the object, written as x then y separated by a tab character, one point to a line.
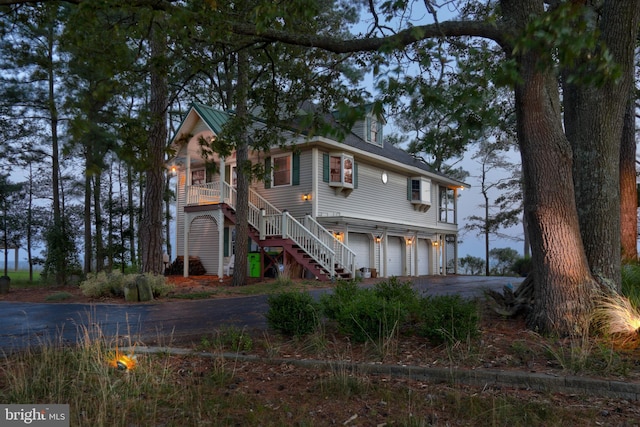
374	130
419	193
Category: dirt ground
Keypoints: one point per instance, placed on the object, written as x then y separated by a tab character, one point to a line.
505	344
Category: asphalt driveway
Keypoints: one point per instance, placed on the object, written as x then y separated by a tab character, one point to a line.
29	324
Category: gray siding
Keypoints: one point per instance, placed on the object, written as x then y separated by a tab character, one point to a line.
290	197
375	200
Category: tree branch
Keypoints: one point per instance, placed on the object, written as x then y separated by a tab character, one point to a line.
400	40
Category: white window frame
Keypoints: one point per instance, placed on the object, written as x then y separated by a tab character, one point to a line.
341	178
373	131
447	205
274	171
423	196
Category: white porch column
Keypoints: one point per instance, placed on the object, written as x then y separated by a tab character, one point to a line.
185	255
222	179
383	248
220	221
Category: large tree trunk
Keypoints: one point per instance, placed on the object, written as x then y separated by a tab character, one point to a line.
628	187
564	287
242	152
594	117
97	212
151	224
88	236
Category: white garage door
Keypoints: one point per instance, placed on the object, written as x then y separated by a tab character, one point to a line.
423	257
395	261
360	244
203	242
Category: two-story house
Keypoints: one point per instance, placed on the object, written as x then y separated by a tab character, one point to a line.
331	207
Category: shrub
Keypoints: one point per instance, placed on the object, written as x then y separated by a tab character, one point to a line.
522	266
394	290
342	294
112	284
293	313
368	316
448	318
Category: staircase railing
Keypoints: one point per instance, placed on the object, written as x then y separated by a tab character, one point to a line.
345	257
315	240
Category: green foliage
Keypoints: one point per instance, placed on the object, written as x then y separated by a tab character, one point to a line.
402	292
343	293
522	266
62	254
631	283
105	284
472	265
568	35
504	259
234	338
369	317
293	313
448	318
58	296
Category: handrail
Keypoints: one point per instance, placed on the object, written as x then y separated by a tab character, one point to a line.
312	245
345	257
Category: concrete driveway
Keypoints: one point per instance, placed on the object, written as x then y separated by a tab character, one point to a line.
30	324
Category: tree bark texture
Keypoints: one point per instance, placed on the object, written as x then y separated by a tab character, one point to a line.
564	287
242	152
628	186
151	224
594	118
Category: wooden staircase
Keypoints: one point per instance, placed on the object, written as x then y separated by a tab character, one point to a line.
293	250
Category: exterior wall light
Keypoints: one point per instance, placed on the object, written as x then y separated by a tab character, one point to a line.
306	197
378	239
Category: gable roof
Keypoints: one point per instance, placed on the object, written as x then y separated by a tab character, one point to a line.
216	119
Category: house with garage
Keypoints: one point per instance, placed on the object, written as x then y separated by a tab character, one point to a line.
325	208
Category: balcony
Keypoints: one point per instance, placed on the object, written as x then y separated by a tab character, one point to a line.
203	194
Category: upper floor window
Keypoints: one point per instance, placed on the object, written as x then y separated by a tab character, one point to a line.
198	177
373	130
281	171
419	192
339	170
447	205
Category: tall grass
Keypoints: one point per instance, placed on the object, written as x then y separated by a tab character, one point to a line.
631	283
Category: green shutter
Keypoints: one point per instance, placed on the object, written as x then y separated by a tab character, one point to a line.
295	169
267	172
409	189
325	167
226	241
355	175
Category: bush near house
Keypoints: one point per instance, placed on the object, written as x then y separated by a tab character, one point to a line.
111	284
293	313
388	309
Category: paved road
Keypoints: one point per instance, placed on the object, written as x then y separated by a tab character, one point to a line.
28	324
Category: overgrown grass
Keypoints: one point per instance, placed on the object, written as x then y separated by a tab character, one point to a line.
631	283
166	389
